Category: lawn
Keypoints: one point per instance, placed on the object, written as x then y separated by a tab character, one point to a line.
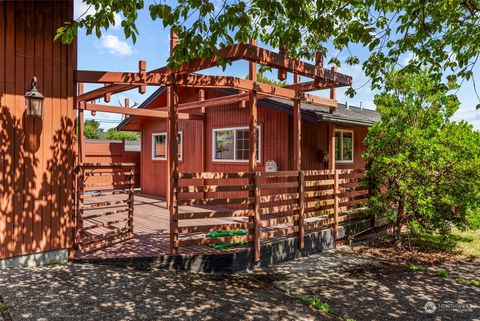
465	244
468	244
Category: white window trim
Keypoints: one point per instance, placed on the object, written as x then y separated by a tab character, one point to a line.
341	146
180	146
214	154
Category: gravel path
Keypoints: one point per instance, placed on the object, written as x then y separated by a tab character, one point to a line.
362	287
96	292
355	285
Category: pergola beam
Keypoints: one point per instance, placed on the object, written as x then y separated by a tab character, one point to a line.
265	57
311	86
129	80
137	112
202	81
212	102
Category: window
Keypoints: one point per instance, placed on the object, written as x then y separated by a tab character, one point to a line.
159	146
232	144
344	146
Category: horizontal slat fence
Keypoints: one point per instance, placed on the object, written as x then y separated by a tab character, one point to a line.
264	205
217	212
104	212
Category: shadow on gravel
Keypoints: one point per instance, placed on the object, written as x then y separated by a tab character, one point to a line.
365	288
90	292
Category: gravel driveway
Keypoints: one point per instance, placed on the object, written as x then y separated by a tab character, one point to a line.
356	286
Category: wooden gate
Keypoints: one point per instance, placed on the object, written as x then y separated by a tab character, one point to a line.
104	204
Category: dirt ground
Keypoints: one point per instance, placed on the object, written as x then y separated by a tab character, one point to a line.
359	285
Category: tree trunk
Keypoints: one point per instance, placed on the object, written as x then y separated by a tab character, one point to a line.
399	222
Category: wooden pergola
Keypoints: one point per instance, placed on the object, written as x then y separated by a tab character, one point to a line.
250	90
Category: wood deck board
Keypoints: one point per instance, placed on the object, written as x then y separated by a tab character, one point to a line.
151	224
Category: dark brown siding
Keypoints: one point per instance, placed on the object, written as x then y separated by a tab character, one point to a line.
36	154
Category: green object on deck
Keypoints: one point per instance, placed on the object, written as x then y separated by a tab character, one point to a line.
227	233
220	246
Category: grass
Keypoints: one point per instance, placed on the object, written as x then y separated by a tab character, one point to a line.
4	307
473	282
469	243
465	243
315	302
443	273
417	268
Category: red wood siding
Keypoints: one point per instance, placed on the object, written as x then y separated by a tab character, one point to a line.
276	142
154	172
315	141
36	154
110	152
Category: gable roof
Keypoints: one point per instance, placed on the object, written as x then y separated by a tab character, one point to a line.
343	114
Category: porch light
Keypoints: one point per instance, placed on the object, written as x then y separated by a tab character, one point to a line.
34	100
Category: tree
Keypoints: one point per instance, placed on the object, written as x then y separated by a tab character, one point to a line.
92	129
423	168
114	134
442	35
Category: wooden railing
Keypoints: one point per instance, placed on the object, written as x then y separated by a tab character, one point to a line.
104	209
261	205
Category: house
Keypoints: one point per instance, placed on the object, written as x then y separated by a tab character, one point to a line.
56	204
220	142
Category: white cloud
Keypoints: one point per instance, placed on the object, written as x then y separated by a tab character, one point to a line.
115	46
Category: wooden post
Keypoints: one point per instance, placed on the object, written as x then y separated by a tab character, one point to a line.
172	156
318	65
331	146
335	204
252	158
333	90
332	166
282	72
79	214
256	218
81	124
301	209
142	70
297	161
107	96
131	196
173	43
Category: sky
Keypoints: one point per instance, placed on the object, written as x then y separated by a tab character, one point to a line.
112	52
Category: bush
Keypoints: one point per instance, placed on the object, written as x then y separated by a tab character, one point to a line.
423	168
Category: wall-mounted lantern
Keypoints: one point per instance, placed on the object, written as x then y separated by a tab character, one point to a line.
34	100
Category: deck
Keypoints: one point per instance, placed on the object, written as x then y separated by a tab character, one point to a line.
151	224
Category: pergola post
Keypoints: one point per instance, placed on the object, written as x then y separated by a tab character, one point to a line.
252	158
81	126
332	167
172	156
333	90
297	161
